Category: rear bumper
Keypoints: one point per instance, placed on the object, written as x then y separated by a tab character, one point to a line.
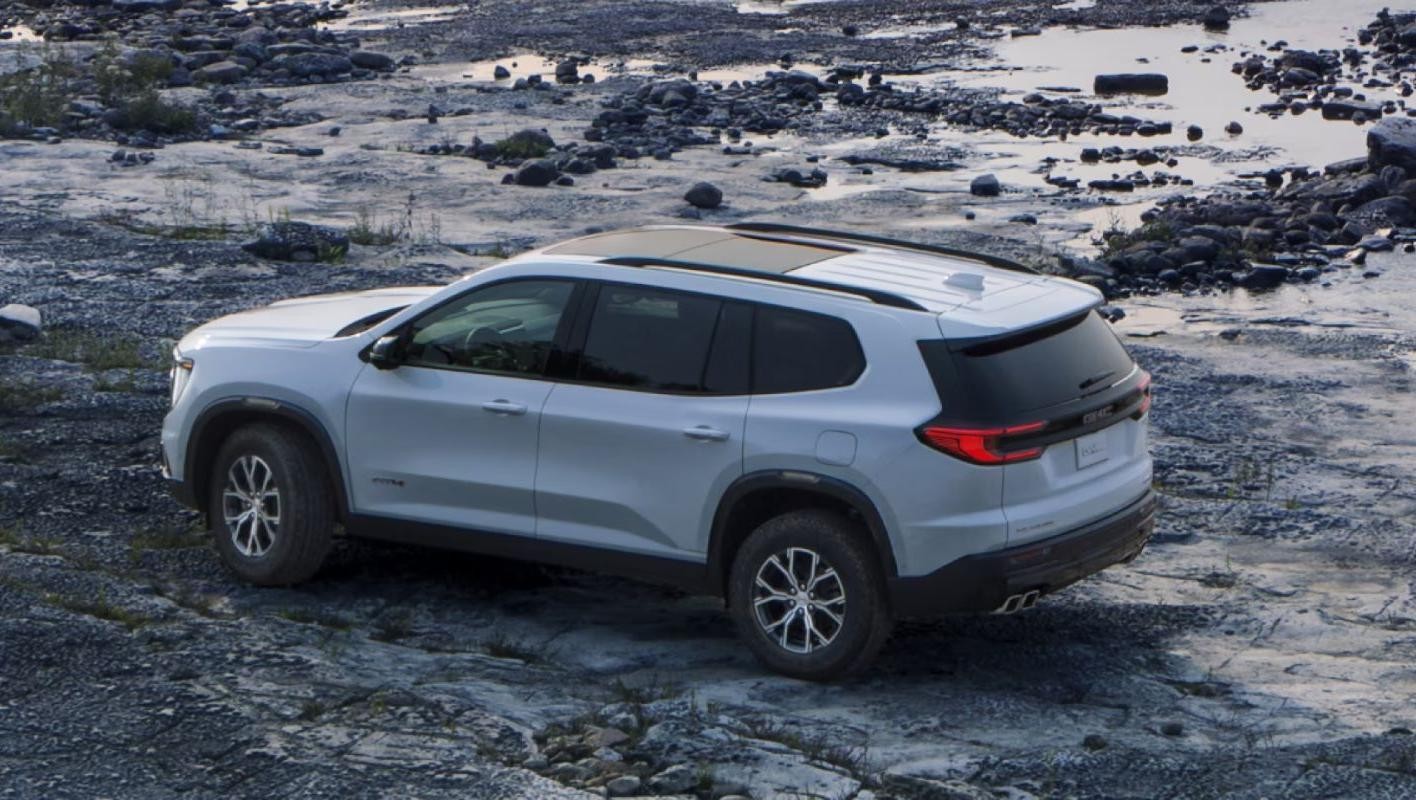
982	582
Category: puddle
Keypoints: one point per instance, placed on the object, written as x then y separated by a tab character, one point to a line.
19	33
370	20
1203	91
771	6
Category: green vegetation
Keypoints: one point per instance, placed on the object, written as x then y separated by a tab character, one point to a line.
313	617
393	626
522	147
500	645
37	96
127	384
25	396
369	230
96	352
98	608
13	452
822	748
171	537
1116	240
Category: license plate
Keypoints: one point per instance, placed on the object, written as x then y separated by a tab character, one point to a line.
1091	449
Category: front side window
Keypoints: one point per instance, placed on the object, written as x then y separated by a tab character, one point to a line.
664	341
507	328
798	351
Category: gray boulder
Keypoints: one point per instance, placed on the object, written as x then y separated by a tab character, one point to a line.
220	72
297	241
20	323
704	195
1216	19
540	172
568	71
1393	142
365	59
986	186
304	65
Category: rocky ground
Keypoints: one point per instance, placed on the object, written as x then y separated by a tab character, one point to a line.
1262	647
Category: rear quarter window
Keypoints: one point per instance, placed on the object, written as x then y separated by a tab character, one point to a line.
799	351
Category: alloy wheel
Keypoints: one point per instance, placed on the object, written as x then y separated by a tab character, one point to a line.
799	600
251	506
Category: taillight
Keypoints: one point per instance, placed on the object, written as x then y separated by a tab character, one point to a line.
982	445
1145	388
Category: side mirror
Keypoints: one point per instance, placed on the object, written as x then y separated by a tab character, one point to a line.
384	353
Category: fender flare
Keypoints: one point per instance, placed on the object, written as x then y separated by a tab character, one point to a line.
257	408
797	480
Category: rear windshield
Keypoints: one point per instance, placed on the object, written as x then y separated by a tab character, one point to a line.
1002	380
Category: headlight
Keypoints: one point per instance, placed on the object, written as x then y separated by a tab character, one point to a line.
181	374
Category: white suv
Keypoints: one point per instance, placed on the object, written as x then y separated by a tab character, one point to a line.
830	430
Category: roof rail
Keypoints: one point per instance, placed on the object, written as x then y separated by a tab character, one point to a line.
773	227
873	295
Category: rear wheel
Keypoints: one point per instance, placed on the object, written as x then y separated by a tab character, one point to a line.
807	596
270	505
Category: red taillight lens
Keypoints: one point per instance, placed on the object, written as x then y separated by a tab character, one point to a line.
982	445
1145	388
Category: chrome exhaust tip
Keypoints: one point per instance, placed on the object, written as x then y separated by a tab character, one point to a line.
1018	602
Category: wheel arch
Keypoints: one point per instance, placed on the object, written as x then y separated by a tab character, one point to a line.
756	497
218	420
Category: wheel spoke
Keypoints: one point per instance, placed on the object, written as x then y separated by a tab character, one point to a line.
828	574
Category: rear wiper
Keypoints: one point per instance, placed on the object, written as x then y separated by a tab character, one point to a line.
1095	379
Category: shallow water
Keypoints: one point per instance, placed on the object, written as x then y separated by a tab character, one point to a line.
1203	90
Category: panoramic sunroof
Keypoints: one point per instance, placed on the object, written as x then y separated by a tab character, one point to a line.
705	246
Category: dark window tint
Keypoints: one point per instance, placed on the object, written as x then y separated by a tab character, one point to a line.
1001	379
507	328
652	339
729	361
797	351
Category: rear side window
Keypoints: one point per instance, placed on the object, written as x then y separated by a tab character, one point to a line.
1002	379
798	351
665	341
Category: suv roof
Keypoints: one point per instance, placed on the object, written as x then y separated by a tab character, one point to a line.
973	294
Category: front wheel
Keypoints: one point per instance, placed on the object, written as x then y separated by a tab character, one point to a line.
271	508
807	595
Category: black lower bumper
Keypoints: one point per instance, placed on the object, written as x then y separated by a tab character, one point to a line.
984	581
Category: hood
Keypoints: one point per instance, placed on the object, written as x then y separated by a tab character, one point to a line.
307	320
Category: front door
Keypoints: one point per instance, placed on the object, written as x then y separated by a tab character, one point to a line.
449	436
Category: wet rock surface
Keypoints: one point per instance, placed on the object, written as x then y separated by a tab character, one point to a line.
437	675
1260	648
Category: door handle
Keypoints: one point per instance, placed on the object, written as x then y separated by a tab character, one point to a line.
703	433
504	407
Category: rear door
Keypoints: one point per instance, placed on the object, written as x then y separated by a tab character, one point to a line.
645	431
1073	393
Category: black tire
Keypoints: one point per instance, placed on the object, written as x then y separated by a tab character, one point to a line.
842	546
304	504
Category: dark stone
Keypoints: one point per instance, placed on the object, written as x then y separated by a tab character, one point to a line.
1262	276
568	71
501	73
297	241
704	195
537	173
365	59
1393	142
986	186
1132	83
1216	19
